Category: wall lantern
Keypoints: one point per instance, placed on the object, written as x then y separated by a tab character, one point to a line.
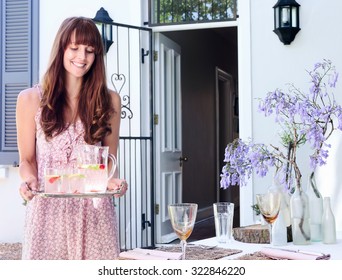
286	20
104	23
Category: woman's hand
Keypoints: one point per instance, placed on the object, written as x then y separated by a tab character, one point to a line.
27	188
116	184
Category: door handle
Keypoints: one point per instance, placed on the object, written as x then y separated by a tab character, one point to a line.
181	160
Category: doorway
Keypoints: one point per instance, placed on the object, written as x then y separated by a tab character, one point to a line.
207	119
227	129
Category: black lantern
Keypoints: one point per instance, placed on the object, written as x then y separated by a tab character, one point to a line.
104	22
286	20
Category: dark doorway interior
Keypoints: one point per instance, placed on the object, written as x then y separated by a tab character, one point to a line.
203	139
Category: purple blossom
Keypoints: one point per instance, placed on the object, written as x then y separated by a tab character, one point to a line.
241	159
333	80
305	118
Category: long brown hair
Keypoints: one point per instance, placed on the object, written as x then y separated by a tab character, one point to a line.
94	103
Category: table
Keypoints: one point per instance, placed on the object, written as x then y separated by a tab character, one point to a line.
335	250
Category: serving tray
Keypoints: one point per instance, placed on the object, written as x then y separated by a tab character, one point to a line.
77	195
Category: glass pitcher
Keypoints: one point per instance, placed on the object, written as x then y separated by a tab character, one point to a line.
92	162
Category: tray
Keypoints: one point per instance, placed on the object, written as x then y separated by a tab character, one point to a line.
77	195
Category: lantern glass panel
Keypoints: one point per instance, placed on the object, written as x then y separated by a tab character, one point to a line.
294	17
99	27
108	32
276	18
285	16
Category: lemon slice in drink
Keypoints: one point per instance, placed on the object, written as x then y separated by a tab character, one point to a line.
93	166
76	175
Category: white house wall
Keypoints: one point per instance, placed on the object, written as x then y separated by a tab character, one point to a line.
274	65
11	207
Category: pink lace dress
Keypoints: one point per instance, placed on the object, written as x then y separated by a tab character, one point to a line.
67	228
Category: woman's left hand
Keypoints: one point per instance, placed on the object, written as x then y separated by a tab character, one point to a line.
116	184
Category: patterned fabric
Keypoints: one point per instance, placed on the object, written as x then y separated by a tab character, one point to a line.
67	228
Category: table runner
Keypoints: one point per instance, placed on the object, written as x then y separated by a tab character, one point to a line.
261	256
254	256
10	251
201	252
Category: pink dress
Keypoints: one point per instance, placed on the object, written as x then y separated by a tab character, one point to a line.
67	228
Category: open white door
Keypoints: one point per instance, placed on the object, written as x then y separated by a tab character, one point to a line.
168	146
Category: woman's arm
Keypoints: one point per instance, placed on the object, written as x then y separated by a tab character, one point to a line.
27	106
112	140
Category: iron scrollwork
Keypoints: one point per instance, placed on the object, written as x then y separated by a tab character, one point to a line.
118	82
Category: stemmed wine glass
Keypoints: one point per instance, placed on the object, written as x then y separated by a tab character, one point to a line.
183	216
269	206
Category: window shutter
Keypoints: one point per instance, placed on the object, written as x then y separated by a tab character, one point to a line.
16	70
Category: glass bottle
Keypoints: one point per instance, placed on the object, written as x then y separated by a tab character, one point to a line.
316	208
300	216
328	223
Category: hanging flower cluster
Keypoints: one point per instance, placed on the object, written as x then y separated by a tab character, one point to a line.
303	117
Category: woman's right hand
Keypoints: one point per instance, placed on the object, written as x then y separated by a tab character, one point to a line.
27	189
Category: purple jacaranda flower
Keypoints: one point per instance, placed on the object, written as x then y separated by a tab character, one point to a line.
305	118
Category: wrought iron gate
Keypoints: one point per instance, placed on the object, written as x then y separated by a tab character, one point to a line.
129	70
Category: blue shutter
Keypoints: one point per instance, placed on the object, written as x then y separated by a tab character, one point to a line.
17	33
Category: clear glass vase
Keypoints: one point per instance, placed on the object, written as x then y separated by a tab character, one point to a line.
300	217
316	209
328	223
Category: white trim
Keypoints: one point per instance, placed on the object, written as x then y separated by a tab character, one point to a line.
245	100
193	26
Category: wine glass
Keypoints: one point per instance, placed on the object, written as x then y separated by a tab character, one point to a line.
269	206
183	216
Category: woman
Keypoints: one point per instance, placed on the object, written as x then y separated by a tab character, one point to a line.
71	107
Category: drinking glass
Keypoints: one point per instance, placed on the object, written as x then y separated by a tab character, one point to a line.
224	214
183	216
269	206
52	180
73	181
